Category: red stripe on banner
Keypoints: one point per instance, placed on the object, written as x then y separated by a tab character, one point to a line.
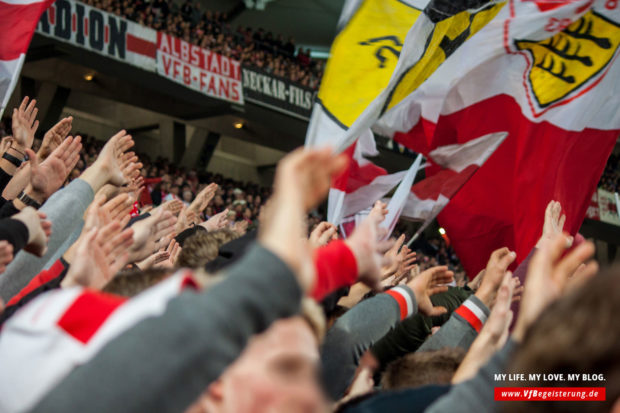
88	313
402	302
85	26
73	23
18	23
470	317
141	46
107	34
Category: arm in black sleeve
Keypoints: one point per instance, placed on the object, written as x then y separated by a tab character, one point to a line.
4	179
15	232
411	333
8	209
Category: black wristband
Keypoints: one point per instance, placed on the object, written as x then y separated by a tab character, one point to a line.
28	201
15	161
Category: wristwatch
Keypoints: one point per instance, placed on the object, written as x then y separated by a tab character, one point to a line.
28	201
15	161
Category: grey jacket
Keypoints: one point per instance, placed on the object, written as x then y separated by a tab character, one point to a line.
164	363
65	209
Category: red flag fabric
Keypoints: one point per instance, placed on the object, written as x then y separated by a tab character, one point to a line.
549	77
18	19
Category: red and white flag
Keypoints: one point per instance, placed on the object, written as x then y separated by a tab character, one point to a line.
453	166
18	20
361	183
548	74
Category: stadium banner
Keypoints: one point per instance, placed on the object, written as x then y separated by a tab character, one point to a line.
593	208
608	207
199	69
98	31
277	93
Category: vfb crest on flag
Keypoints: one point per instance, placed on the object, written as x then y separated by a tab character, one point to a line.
570	63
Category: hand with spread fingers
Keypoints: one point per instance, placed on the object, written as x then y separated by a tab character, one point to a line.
217	221
48	176
25	124
54	137
150	235
431	282
100	254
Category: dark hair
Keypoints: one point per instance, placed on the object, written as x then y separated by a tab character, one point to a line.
423	367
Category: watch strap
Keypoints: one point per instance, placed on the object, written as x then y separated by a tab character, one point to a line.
14	160
28	201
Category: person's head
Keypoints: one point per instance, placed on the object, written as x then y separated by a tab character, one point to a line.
422	368
175	189
188	196
577	334
132	282
198	250
277	371
218	201
247	213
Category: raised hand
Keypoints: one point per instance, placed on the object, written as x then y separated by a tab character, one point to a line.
100	254
369	250
430	282
322	234
217	221
494	273
548	277
172	251
203	198
112	159
119	207
493	335
240	227
554	222
6	256
302	181
39	230
174	206
54	137
150	235
406	262
48	176
391	257
25	124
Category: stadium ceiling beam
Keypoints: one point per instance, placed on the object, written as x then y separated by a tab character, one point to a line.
219	110
42	53
142	129
236	10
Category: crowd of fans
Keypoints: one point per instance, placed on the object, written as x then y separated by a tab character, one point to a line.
610	180
116	298
211	30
